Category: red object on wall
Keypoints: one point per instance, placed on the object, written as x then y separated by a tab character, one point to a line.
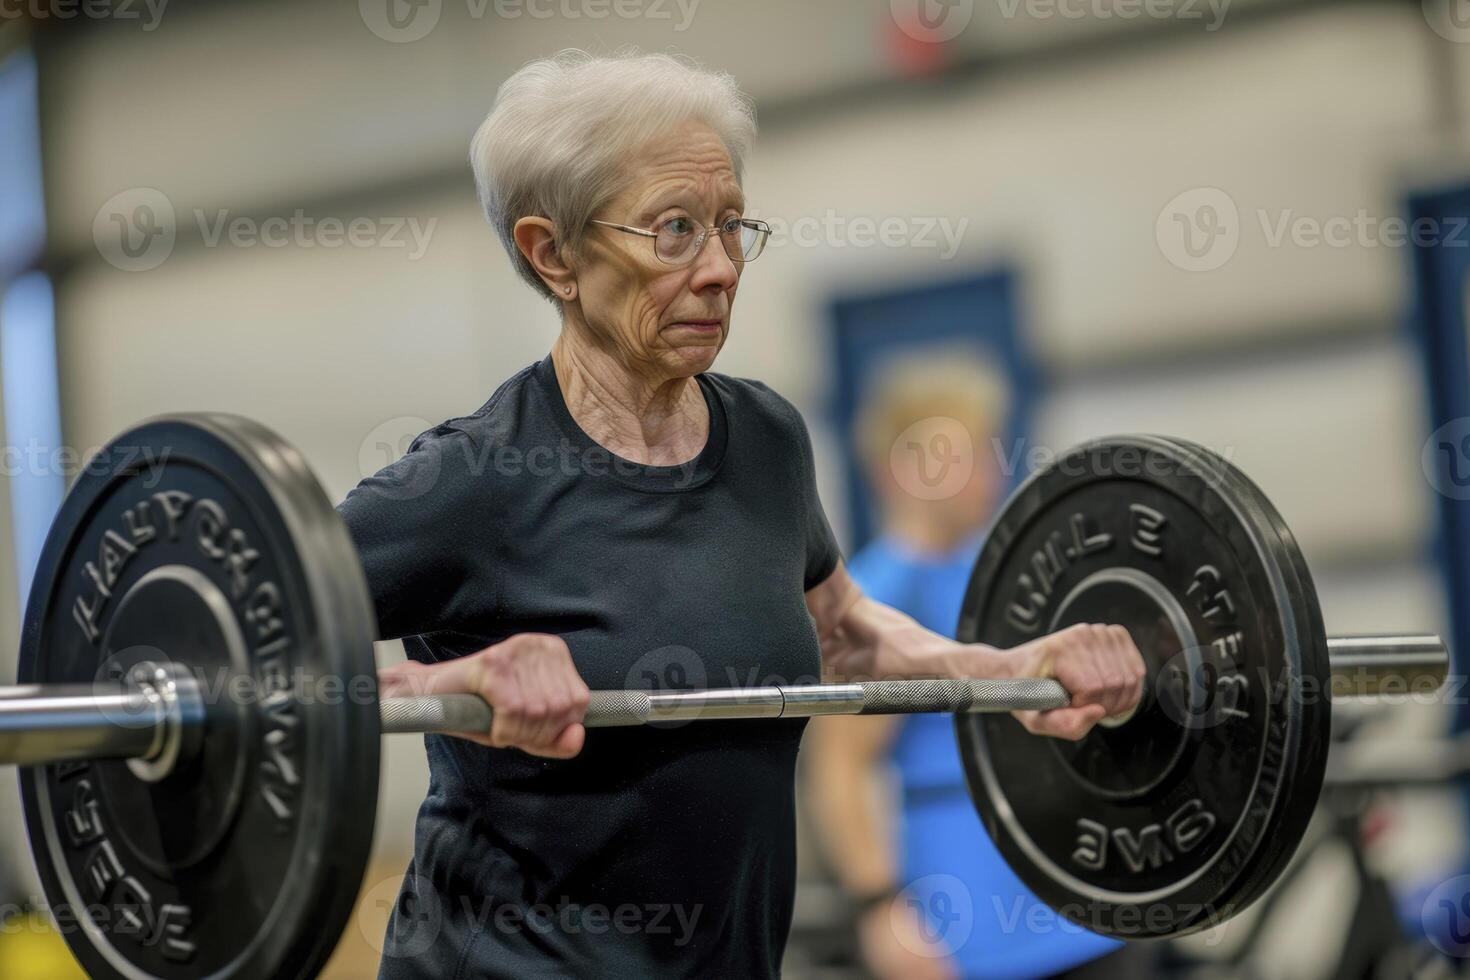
908	53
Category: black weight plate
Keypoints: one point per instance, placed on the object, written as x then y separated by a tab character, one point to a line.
205	541
1182	816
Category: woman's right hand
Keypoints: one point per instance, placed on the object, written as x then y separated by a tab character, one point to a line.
534	691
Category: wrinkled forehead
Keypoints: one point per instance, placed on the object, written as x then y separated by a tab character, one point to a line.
688	167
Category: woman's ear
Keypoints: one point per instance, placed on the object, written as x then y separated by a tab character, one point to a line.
536	239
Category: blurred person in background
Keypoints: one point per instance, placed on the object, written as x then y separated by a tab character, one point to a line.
926	435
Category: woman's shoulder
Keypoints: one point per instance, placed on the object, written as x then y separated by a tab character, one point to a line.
488	424
751	397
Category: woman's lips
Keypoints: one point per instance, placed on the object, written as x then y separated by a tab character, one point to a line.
702	326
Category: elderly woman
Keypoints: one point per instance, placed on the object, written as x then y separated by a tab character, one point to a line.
617	515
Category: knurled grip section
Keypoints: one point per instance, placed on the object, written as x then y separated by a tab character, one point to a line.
441	713
612	709
921	696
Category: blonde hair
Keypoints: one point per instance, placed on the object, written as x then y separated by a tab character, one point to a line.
958	385
559	139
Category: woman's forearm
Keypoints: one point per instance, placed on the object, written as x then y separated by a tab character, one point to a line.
864	639
873	641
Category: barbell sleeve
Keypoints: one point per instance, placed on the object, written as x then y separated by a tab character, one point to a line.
154	718
1400	663
56	723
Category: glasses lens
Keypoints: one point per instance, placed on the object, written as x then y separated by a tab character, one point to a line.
676	239
752	239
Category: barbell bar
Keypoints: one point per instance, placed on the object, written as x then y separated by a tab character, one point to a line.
42	724
202	834
1362	666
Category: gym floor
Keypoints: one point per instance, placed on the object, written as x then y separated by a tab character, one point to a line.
1187	218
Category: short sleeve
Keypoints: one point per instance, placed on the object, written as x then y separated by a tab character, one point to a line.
822	553
411	534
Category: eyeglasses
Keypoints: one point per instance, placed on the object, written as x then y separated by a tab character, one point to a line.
678	240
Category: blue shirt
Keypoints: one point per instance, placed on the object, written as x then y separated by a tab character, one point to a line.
970	898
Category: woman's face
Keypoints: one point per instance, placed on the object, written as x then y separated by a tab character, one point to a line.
665	322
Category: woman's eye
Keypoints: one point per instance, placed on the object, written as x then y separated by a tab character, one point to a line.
730	226
678	226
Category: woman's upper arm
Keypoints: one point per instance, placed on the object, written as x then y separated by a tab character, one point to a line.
407	527
830	600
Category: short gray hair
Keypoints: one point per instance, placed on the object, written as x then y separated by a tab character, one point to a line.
559	138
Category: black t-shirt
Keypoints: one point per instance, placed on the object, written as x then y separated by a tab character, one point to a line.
658	851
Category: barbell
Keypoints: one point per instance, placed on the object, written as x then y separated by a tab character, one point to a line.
198	719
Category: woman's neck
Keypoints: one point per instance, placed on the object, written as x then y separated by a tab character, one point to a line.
656	421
